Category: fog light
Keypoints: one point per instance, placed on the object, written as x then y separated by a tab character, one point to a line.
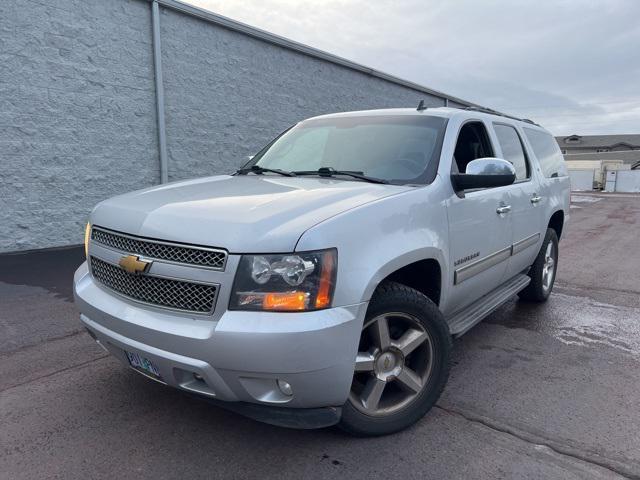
285	388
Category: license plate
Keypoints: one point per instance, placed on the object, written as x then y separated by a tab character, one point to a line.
142	363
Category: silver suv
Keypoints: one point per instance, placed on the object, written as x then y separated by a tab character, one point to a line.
323	282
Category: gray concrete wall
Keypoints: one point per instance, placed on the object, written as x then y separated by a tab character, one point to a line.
77	114
228	94
77	105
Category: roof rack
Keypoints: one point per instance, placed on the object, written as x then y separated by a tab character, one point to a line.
495	112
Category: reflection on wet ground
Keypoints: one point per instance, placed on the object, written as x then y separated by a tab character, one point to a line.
584	199
51	269
575	320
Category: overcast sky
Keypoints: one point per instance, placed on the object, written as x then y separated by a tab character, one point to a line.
571	65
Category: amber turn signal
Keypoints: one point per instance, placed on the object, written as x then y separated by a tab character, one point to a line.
327	275
87	233
285	301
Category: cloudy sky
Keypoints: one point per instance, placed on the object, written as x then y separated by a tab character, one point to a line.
571	65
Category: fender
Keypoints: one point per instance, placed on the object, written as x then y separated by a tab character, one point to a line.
378	238
427	253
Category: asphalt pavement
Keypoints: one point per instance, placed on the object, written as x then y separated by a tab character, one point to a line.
536	391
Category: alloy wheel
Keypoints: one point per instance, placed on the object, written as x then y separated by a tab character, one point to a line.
549	267
393	365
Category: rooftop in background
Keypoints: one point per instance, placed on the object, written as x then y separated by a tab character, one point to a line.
599	143
601	147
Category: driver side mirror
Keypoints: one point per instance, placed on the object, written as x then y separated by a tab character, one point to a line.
484	173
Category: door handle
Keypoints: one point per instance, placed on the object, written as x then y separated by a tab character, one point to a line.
503	209
536	198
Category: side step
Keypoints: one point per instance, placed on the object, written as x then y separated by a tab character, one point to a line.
464	319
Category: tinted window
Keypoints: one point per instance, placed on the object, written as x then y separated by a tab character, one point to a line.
548	153
402	149
512	150
472	143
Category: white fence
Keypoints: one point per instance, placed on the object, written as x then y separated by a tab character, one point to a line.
615	180
581	179
628	181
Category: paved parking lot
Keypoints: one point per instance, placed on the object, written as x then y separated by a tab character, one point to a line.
549	391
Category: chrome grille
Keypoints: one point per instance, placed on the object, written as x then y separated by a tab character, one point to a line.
163	292
202	257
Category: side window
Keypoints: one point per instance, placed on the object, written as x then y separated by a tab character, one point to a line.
547	152
512	150
473	142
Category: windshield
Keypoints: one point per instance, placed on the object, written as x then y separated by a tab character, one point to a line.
399	149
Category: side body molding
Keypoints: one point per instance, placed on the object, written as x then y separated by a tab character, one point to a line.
484	263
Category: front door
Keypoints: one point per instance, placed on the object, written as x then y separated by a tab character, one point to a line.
480	229
479	244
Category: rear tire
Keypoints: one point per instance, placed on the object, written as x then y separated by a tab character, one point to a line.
402	364
543	270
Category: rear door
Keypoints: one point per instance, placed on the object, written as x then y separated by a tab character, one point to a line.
524	197
479	236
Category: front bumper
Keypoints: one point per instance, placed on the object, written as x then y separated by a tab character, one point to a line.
235	357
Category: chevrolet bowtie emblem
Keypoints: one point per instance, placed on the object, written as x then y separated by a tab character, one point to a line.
133	264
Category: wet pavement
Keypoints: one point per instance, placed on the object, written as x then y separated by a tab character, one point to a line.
536	391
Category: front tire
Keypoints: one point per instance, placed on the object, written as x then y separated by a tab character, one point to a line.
402	364
543	270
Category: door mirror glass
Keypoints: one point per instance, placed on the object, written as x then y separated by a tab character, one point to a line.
485	172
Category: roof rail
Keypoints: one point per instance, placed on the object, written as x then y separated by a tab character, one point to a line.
495	112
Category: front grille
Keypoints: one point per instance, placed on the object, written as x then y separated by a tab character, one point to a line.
202	257
163	292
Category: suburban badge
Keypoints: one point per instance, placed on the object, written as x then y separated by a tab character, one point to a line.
466	259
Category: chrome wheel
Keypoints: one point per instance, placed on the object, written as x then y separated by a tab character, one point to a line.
549	267
393	365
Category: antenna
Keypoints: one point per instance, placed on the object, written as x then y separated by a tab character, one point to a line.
421	106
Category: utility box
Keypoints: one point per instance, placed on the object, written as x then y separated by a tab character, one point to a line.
610	184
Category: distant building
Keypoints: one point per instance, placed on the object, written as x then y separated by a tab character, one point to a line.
598	143
603	148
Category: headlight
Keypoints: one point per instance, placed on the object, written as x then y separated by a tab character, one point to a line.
87	234
290	282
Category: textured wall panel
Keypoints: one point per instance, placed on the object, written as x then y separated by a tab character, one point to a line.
229	94
77	114
77	106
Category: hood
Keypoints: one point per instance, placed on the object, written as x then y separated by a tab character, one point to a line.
243	214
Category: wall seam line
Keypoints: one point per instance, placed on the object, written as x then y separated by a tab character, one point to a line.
157	63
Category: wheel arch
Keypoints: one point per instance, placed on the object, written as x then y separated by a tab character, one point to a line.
422	272
556	222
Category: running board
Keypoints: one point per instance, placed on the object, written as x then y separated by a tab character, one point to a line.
466	318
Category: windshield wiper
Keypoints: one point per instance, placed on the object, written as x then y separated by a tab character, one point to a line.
258	170
331	172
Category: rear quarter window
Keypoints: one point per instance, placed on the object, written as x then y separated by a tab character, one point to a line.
547	152
512	150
